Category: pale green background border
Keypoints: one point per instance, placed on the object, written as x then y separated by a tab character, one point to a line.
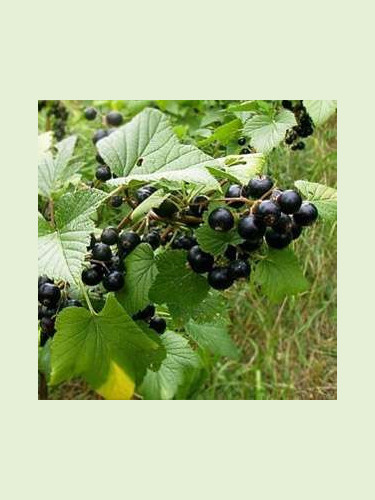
187	450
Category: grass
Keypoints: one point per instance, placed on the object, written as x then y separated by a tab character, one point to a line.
288	350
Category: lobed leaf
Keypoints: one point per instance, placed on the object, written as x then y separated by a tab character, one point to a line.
323	197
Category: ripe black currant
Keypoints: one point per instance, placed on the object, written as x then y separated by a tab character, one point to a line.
46	312
114	118
220	278
198	205
166	209
290	136
99	134
231	252
283	224
44	279
113	281
116	264
143	193
102	252
152	238
99	159
235	191
184	242
289	201
287	104
306	215
200	262
47	326
93	241
251	228
146	314
109	236
295	231
278	240
298	146
128	240
259	186
115	201
268	212
158	324
239	269
251	245
48	294
221	219
245	151
90	113
242	141
103	173
92	276
73	303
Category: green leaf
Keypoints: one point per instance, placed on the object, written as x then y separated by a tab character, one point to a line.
280	275
224	134
140	274
107	349
238	168
44	143
153	201
213	337
216	242
147	149
213	308
267	131
54	172
61	249
320	111
180	360
175	282
323	197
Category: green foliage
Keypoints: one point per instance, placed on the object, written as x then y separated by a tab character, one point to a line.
175	282
323	197
213	308
225	133
141	271
320	111
280	275
213	337
180	360
62	247
86	344
216	242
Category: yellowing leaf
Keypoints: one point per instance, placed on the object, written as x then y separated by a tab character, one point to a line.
118	385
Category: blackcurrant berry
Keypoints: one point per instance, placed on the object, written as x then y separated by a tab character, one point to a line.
90	113
259	186
251	245
128	241
113	281
198	205
239	269
245	151
152	238
103	173
290	136
268	212
47	325
289	201
109	236
242	141
166	209
251	228
114	118
231	252
296	231
278	240
235	191
221	219
143	193
306	215
93	241
102	252
116	264
99	159
220	278
275	194
73	303
299	146
287	104
184	242
49	294
146	314
99	134
115	201
158	324
47	312
283	224
44	279
92	276
200	262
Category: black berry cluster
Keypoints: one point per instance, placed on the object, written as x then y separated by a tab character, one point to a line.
246	148
57	114
156	323
50	301
304	127
111	120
